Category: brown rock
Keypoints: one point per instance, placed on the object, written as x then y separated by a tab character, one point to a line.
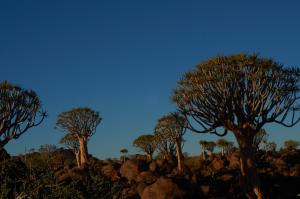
234	160
131	169
205	189
147	177
111	170
295	170
217	164
163	188
153	166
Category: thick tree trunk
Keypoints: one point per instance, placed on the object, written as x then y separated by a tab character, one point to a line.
179	157
249	178
83	151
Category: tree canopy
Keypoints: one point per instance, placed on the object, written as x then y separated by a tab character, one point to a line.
238	92
20	109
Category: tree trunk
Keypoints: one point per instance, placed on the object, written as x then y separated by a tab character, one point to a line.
179	157
83	151
149	156
77	155
249	179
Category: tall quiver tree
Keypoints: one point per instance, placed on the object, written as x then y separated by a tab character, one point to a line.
239	93
173	127
81	123
72	142
20	110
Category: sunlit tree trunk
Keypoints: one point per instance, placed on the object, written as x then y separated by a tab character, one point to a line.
77	155
149	156
179	156
83	151
249	178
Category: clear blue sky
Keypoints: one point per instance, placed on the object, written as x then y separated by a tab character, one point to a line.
123	58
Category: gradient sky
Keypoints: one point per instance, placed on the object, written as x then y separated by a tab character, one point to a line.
123	58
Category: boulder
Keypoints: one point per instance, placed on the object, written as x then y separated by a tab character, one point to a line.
163	188
147	177
153	166
111	170
234	160
295	170
130	169
217	164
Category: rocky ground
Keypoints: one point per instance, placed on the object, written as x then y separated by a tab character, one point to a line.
214	177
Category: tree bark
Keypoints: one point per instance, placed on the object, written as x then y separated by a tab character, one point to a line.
149	156
83	151
77	155
179	157
249	179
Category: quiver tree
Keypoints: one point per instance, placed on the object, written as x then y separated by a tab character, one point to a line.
146	144
80	123
291	145
20	110
124	153
224	145
166	148
239	93
203	145
172	127
270	146
71	142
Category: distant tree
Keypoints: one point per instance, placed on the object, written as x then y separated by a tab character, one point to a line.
211	146
239	93
124	153
172	127
203	144
80	123
259	138
72	142
291	145
225	146
146	144
20	110
47	148
270	146
166	148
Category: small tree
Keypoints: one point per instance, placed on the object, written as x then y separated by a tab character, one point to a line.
80	123
210	147
20	110
172	127
146	144
124	153
203	145
166	148
239	93
72	142
225	146
291	145
270	146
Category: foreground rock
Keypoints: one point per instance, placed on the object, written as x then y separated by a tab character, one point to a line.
163	188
